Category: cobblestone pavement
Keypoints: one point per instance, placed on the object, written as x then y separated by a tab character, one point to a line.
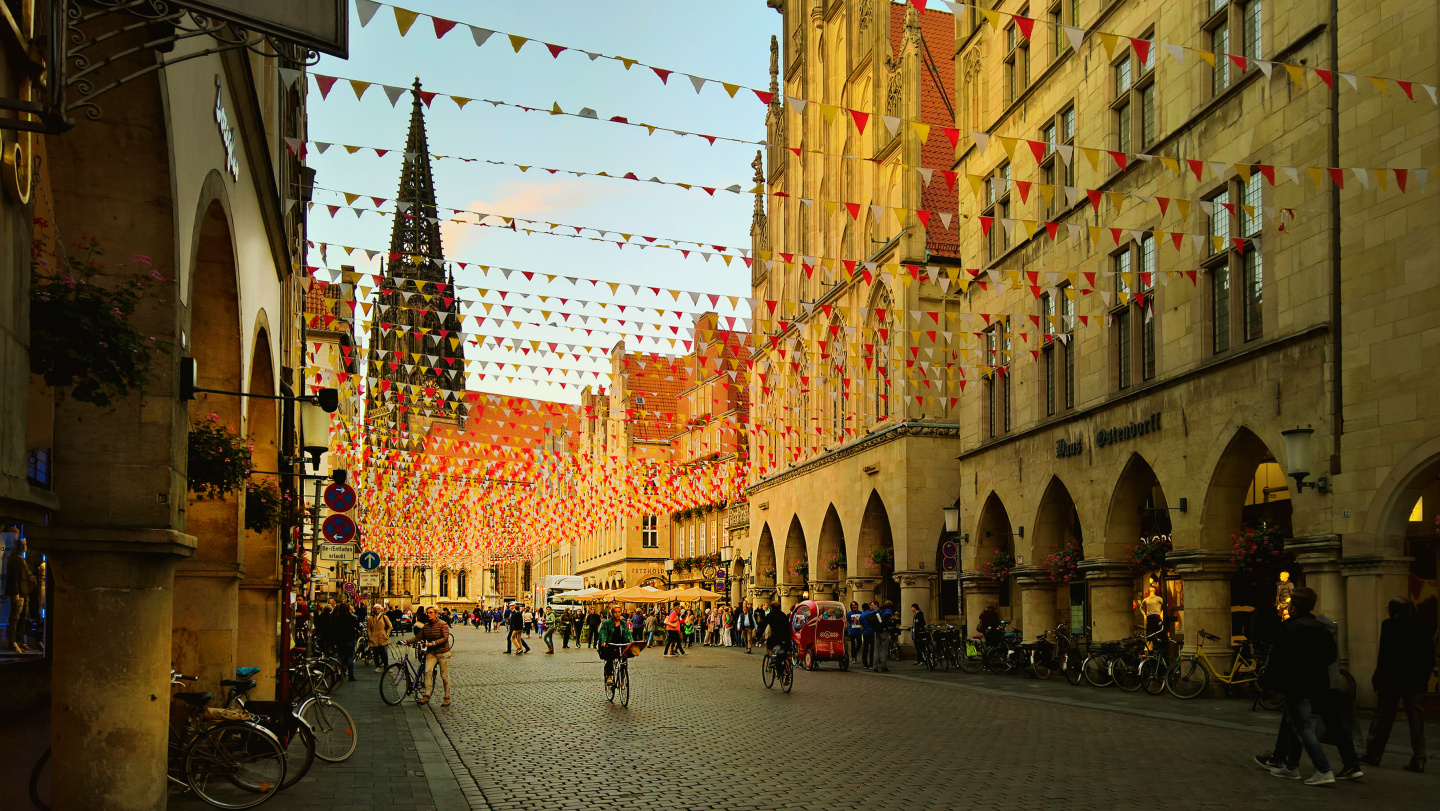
702	732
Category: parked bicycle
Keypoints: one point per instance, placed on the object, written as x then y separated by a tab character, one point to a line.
278	717
402	678
1190	676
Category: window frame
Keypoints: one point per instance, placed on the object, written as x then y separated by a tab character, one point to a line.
997	205
1017	60
1243	296
1235	18
997	376
1134	353
1133	114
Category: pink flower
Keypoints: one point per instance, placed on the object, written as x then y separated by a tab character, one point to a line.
142	259
155	275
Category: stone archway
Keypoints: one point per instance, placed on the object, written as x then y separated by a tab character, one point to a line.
830	563
1056	530
259	595
993	534
1138	508
795	574
206	623
875	556
766	570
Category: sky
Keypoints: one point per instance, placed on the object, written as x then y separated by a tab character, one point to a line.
728	41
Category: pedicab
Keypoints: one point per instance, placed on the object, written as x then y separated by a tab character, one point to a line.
818	628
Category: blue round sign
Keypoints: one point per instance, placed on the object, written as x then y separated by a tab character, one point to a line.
369	561
338	529
339	497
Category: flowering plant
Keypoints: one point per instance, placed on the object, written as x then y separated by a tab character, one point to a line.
882	557
835	562
769	573
262	505
81	337
1064	563
999	567
1259	550
800	569
1149	554
219	462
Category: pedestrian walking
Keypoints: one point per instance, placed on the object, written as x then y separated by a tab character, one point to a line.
565	628
867	636
378	629
529	620
652	627
344	629
552	619
853	632
434	638
672	634
917	633
1299	665
592	624
517	627
1402	669
745	625
885	625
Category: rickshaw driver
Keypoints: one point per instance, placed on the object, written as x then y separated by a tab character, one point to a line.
777	628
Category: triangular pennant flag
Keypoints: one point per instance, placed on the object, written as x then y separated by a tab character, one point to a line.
366	9
404	18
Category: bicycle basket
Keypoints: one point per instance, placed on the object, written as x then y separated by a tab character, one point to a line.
275	716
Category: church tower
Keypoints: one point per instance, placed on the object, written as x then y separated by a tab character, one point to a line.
417	365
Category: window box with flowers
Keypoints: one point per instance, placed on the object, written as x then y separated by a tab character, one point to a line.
769	573
883	557
218	460
999	568
1063	565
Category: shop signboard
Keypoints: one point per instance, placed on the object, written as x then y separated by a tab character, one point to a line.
370	580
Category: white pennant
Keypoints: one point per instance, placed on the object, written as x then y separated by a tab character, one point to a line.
366	9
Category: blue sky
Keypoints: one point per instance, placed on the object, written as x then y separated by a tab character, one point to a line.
727	41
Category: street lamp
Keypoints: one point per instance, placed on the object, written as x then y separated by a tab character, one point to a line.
314	431
1297	452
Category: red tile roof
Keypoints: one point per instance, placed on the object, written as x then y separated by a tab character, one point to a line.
938	32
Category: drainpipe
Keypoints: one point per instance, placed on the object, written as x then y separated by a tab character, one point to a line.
1337	406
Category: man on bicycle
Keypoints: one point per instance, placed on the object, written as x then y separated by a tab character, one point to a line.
613	632
776	629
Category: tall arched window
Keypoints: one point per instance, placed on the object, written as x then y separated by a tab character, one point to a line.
882	335
803	429
460	583
839	373
444	584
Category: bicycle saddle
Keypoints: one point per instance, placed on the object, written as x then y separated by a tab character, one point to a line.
195	699
243	684
246	672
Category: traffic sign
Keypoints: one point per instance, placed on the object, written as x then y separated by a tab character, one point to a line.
369	561
349	588
338	528
948	549
949	575
340	552
948	564
370	580
340	497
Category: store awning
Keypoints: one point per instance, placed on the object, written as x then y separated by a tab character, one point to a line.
692	594
640	594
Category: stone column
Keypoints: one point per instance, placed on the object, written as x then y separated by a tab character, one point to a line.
1319	559
1037	601
762	595
1370	583
915	587
113	608
1205	575
1112	592
789	596
977	594
862	589
826	589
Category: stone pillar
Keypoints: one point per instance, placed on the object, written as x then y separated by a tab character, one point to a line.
977	594
1370	583
762	595
862	589
1319	559
1037	601
915	587
207	621
1205	575
1112	591
111	667
789	596
826	589
258	635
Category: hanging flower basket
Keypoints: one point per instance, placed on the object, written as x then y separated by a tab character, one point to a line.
1063	565
1259	550
800	569
219	461
999	568
769	573
883	557
1149	554
262	506
835	563
81	336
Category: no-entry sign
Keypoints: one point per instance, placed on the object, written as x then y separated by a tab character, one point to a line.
338	529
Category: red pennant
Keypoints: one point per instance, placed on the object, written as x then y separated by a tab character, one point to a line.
1052	228
1196	166
1337	176
924	217
1240	62
426	97
1164	204
1239	244
325	83
555	50
765	97
1023	186
919	4
663	74
1327	77
1401	176
1120	159
1115	234
1037	148
1094	195
1408	87
986	223
1142	49
861	119
854	209
1268	171
442	27
952	135
1026	25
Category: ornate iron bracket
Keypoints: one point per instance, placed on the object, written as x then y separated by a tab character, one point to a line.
78	52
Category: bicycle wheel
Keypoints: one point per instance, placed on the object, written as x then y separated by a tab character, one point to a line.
1152	675
40	782
395	684
299	753
1270	699
332	675
610	689
997	660
1072	664
1126	672
1187	678
787	676
235	764
1042	666
947	659
1097	670
335	734
970	659
767	671
622	685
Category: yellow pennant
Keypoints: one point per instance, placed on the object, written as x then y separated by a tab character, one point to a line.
404	18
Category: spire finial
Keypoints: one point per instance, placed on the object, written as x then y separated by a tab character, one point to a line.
774	66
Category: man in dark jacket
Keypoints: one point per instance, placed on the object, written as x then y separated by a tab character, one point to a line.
1300	666
1402	668
592	624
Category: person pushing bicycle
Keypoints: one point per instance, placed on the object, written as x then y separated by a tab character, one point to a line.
614	633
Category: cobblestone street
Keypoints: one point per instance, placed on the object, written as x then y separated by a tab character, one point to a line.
535	732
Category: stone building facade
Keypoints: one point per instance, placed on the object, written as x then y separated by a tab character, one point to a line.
1135	389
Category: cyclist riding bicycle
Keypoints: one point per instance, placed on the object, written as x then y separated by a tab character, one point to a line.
776	628
613	632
